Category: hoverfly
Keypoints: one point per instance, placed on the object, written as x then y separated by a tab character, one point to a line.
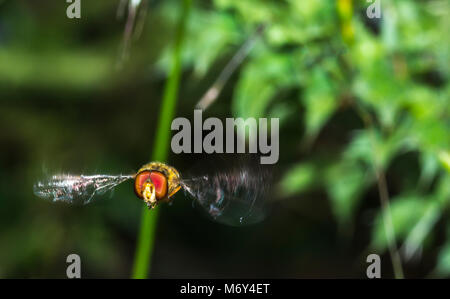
232	197
154	182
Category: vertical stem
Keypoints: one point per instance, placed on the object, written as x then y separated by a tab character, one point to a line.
384	198
388	225
146	238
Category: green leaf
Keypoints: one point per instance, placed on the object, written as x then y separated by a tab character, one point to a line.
444	158
374	148
299	178
443	262
320	101
406	212
345	183
429	168
210	37
422	229
442	193
262	78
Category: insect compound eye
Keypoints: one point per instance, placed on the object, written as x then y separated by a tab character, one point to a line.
157	178
160	182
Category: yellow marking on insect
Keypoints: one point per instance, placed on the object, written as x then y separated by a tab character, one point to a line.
149	195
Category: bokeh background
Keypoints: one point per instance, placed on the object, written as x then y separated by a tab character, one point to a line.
361	102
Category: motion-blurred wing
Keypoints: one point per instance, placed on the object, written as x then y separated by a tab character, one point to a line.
77	188
234	198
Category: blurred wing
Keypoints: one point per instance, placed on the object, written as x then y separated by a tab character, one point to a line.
77	188
233	198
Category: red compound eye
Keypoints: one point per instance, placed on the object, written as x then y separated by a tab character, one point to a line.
160	182
157	178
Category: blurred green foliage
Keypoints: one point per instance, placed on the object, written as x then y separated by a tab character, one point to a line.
354	96
392	72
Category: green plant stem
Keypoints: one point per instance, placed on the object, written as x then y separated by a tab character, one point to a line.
384	198
388	225
145	243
